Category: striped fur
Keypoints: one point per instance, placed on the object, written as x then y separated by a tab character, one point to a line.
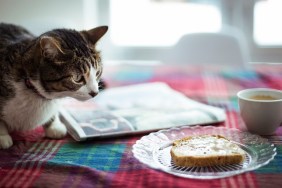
36	72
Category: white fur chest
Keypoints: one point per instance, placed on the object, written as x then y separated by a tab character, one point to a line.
27	110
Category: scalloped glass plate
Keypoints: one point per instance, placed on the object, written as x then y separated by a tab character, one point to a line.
154	151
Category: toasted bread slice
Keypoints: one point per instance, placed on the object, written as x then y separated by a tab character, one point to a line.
206	150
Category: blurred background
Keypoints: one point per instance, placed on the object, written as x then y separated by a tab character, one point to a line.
148	30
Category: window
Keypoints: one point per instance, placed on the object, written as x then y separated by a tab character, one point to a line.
141	29
267	27
159	23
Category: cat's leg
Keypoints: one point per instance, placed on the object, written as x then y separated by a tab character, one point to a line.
5	139
54	128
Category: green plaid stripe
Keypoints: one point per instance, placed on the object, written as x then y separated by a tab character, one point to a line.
275	166
100	156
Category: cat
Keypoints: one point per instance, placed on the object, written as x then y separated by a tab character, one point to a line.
37	72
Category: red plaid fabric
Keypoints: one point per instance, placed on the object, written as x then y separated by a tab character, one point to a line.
35	161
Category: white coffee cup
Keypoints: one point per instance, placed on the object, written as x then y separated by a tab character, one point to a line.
261	109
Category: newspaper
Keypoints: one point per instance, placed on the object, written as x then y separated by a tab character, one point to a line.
135	109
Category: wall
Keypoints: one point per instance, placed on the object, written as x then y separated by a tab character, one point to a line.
41	15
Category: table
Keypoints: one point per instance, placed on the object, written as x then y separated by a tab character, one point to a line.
35	161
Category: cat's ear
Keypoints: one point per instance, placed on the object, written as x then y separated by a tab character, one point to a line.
93	35
50	47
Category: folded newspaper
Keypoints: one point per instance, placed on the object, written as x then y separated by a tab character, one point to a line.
135	109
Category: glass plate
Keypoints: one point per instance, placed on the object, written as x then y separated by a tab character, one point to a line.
154	151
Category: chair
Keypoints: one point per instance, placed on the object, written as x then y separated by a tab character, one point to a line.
226	47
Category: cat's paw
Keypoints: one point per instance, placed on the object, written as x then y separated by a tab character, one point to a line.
56	131
5	141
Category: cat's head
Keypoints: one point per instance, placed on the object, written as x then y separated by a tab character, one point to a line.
69	66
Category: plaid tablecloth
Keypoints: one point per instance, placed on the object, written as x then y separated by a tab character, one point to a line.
35	161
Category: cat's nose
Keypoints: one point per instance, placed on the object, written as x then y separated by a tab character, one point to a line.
92	94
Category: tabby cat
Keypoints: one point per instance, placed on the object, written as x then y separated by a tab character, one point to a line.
37	72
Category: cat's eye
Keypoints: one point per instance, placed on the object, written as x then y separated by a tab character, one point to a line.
78	78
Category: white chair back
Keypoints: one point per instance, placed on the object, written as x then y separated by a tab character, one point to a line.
209	48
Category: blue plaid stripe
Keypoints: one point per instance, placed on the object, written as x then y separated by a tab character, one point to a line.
138	76
240	74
